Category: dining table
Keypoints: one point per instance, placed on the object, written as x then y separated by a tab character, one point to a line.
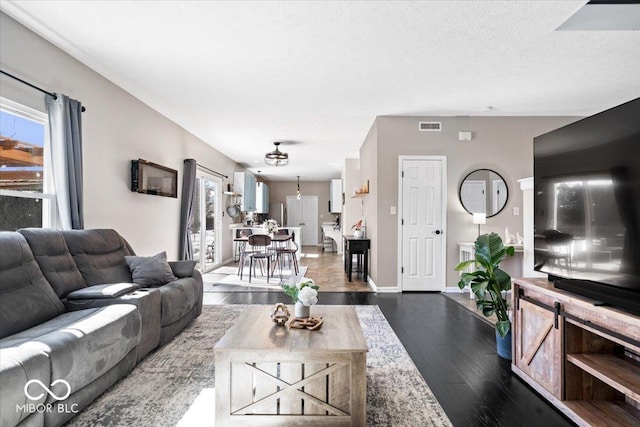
277	240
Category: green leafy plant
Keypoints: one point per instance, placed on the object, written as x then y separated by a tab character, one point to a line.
489	283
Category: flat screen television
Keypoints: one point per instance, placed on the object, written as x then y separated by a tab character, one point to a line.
151	178
587	206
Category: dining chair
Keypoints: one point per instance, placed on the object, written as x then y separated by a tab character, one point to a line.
239	242
287	251
260	250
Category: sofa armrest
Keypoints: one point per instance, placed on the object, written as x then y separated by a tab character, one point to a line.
112	290
182	268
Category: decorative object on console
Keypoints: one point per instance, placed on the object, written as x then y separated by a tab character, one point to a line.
304	294
489	283
280	314
358	228
479	218
276	157
508	237
519	238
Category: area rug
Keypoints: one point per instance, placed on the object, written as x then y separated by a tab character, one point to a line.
175	385
226	279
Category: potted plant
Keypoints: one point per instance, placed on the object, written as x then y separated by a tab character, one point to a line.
358	233
489	283
304	294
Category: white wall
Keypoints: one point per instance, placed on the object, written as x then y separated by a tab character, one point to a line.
504	144
117	128
279	190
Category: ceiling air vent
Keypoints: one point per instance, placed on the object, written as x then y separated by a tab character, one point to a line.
430	126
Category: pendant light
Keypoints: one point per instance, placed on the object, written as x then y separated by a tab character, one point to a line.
276	157
298	195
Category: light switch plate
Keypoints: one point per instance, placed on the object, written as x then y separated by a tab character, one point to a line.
516	210
392	211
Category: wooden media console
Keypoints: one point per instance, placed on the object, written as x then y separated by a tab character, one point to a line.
583	358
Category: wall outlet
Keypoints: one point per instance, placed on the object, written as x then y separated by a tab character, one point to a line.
516	210
392	211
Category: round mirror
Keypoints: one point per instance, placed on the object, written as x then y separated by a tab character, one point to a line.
483	191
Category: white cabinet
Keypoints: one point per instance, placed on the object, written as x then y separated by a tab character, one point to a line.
262	197
335	196
245	184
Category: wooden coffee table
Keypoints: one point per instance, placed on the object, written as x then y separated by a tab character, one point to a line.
268	375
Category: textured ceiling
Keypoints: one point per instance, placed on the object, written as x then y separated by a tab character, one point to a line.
241	75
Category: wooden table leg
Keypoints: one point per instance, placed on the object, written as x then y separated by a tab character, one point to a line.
358	389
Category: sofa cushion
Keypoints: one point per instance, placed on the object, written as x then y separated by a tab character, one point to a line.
99	255
26	298
150	271
52	255
18	366
83	345
112	290
178	298
182	268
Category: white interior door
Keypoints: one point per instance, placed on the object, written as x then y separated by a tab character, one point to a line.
303	213
474	194
422	258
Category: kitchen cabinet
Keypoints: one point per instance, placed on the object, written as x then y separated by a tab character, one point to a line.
335	196
245	184
262	198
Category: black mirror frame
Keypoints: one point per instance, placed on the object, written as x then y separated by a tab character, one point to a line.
467	176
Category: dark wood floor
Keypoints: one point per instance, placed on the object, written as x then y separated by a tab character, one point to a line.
454	351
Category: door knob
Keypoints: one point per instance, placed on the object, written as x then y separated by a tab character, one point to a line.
437	231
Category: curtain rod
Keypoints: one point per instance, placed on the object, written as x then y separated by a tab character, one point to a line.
211	171
33	86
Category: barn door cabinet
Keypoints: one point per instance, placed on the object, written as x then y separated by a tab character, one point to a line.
584	359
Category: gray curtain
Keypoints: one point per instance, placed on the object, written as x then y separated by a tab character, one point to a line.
65	127
187	207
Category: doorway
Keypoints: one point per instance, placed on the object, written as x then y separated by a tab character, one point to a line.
422	223
206	223
303	213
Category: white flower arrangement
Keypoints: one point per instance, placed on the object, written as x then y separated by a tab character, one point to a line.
270	226
305	291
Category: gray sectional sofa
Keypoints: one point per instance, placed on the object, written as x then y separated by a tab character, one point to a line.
73	322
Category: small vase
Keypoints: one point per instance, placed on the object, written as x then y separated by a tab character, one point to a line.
301	310
358	234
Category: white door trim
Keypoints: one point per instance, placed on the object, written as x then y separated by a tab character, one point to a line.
443	160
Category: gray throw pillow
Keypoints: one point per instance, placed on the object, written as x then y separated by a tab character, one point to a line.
182	268
150	271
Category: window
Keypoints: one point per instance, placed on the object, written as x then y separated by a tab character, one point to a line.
26	186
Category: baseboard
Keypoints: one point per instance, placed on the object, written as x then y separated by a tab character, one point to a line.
383	289
455	289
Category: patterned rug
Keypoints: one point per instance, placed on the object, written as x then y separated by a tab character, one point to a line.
175	385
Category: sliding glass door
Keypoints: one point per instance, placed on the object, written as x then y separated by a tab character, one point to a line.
206	223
